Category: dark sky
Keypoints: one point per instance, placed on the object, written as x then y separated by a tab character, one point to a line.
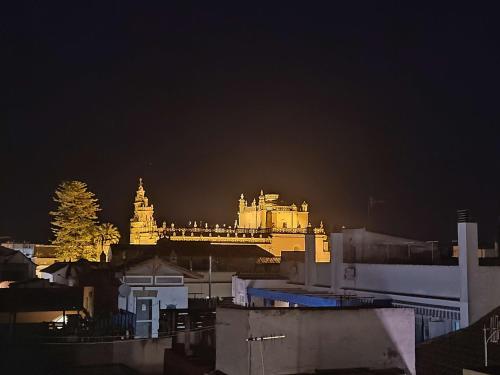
331	102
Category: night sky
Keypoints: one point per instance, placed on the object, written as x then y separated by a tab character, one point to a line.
328	102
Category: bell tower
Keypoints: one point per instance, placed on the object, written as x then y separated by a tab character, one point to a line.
143	228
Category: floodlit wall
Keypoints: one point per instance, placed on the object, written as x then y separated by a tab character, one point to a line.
315	339
297	242
292	242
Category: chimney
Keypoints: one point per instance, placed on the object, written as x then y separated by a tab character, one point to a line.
463	216
468	263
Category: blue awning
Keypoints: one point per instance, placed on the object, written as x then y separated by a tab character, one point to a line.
295	297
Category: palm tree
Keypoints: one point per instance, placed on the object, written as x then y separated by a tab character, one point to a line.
106	234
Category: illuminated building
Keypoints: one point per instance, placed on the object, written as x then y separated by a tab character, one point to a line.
143	229
270	214
268	223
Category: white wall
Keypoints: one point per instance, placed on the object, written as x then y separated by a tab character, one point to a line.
26	248
239	287
480	293
294	270
423	280
315	339
221	285
485	294
171	295
323	273
435	281
472	284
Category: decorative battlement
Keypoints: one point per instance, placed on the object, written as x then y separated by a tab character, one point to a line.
234	232
266	222
270	213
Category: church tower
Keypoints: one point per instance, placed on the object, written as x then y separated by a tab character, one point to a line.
143	229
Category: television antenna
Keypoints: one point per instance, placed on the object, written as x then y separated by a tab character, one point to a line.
492	335
261	339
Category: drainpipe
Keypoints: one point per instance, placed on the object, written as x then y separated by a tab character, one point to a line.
209	278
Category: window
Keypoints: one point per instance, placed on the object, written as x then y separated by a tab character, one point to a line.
169	280
138	280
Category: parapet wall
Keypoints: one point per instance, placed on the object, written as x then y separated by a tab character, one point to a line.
145	356
315	339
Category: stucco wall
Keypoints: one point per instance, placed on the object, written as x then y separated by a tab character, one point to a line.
363	246
315	339
171	295
145	356
323	274
436	281
293	269
484	295
221	285
239	287
168	295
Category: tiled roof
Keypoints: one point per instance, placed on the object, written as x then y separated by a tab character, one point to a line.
185	249
6	252
182	270
79	263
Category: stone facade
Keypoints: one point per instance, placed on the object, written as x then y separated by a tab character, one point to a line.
270	224
268	213
143	228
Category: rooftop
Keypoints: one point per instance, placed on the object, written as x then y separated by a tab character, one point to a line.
261	276
6	252
306	298
166	247
41	299
451	353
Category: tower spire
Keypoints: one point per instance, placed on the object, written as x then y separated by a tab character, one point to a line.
143	227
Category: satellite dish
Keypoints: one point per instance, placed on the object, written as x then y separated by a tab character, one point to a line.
124	290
